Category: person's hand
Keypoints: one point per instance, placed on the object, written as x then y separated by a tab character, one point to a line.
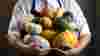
59	52
14	40
20	44
27	39
74	51
12	37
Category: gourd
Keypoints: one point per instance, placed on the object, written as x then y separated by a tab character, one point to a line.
36	41
70	39
66	39
61	36
31	26
40	41
58	41
59	12
52	12
66	27
65	24
46	22
48	34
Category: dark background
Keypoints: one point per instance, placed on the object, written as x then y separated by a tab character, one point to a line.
6	6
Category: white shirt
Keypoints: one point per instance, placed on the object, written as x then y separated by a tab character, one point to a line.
51	4
72	6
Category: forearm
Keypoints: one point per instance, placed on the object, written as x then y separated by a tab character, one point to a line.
12	37
14	40
84	40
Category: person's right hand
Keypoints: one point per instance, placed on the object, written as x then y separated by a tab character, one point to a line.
12	37
15	41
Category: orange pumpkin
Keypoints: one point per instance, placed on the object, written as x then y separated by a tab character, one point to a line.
70	39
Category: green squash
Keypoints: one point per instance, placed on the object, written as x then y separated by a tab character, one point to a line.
64	24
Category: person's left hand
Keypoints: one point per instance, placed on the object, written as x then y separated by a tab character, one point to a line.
75	51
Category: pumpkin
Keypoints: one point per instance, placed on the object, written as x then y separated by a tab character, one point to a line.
70	39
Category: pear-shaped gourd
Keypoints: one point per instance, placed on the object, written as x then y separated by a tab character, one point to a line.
46	22
59	12
52	12
28	27
58	41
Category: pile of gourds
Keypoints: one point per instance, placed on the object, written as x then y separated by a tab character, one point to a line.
53	31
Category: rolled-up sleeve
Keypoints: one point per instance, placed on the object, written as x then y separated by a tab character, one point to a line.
12	25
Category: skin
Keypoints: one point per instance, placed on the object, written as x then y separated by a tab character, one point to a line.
84	41
14	38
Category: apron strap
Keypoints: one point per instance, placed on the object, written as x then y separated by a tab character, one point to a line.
33	4
60	2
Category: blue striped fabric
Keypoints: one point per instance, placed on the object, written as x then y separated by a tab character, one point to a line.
33	4
61	2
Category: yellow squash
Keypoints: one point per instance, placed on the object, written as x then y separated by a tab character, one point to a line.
48	34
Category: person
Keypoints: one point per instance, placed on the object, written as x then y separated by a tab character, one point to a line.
23	9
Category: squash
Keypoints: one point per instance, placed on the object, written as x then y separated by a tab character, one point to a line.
46	22
48	34
58	41
60	12
70	39
52	12
33	28
40	41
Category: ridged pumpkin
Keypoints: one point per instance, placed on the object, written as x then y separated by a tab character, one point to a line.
70	39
